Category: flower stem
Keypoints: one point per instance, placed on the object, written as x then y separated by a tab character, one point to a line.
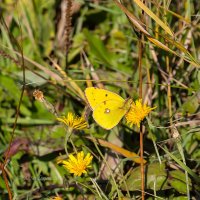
68	134
141	162
141	131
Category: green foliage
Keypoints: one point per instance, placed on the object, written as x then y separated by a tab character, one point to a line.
177	181
156	178
104	52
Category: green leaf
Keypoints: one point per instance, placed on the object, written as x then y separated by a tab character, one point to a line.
10	86
197	178
155	179
28	121
41	167
178	182
98	49
191	105
180	198
25	111
153	16
2	183
33	79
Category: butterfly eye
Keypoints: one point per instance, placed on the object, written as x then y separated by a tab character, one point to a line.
107	110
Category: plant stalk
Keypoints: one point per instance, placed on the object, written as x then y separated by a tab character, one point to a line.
141	130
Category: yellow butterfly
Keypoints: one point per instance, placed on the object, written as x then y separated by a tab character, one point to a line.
108	107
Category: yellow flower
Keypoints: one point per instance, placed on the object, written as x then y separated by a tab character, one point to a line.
137	112
73	121
77	165
56	198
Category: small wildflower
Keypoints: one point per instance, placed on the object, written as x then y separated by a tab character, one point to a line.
73	121
137	112
56	198
38	95
77	165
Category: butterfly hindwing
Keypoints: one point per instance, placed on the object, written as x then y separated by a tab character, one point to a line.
109	113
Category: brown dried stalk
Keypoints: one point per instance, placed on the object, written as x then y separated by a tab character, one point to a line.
5	55
68	27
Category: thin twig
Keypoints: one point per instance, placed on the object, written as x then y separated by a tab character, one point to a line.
6	182
20	49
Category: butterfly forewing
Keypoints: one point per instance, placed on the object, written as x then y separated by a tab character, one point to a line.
96	96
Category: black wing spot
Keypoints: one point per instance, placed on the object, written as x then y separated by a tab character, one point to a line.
106	95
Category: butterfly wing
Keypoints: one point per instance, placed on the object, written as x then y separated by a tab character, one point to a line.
96	96
109	113
108	107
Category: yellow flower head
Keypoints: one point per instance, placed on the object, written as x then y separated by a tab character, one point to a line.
77	165
137	112
73	121
56	198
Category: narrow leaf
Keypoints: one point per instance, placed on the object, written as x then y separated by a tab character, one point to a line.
182	165
153	16
128	154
